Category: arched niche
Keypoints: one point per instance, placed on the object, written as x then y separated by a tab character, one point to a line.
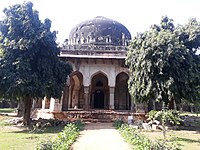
99	95
76	90
121	95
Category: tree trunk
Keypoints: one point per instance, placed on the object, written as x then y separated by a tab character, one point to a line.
20	109
27	110
151	105
172	104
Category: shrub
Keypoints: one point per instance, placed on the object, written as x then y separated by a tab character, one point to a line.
45	145
140	142
165	117
65	138
118	123
79	124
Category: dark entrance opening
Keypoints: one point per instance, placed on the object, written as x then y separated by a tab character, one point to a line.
99	99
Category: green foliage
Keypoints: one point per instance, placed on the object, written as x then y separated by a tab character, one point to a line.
152	115
4	123
161	145
38	129
45	145
65	138
118	123
140	142
79	124
163	62
29	64
165	116
7	110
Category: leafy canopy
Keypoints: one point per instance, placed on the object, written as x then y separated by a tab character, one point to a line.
29	63
163	62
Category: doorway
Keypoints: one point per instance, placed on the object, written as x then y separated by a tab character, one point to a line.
99	99
99	96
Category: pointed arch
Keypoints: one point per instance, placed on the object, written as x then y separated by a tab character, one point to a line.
76	90
99	72
122	96
99	96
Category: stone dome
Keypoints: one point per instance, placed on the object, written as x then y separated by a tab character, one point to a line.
100	31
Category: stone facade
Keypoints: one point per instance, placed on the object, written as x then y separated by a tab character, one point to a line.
96	50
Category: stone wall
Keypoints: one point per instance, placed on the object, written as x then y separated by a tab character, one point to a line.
98	115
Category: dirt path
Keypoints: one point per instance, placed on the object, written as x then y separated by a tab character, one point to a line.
100	136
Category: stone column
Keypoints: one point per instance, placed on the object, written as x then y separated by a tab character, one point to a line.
70	97
45	103
55	105
65	98
75	98
112	102
86	91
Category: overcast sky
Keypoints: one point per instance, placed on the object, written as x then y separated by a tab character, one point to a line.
136	15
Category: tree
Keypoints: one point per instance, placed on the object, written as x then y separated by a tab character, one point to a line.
163	63
29	63
164	117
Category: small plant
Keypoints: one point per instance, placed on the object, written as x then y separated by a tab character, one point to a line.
38	128
162	145
140	142
79	124
165	116
45	145
65	138
4	121
118	123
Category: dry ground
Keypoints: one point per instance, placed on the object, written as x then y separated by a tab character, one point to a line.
100	136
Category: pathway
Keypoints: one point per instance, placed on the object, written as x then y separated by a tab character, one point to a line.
100	136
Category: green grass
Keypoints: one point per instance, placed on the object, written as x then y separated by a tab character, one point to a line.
7	110
190	114
22	140
3	121
14	138
189	140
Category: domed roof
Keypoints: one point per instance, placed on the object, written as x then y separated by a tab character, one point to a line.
100	31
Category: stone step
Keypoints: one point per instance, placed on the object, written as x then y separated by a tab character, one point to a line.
96	120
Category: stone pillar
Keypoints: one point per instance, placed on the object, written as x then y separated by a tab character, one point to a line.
86	91
75	98
34	104
45	103
112	102
133	105
65	98
70	97
55	105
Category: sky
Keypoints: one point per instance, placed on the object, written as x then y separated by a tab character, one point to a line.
136	15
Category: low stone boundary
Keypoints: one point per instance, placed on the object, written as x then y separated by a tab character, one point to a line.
108	115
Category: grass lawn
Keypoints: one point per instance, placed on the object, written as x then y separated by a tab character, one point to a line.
189	140
7	110
14	138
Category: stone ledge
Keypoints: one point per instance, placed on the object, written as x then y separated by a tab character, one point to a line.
98	114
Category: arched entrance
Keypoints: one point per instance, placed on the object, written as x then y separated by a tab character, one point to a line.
99	91
122	96
76	90
98	99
